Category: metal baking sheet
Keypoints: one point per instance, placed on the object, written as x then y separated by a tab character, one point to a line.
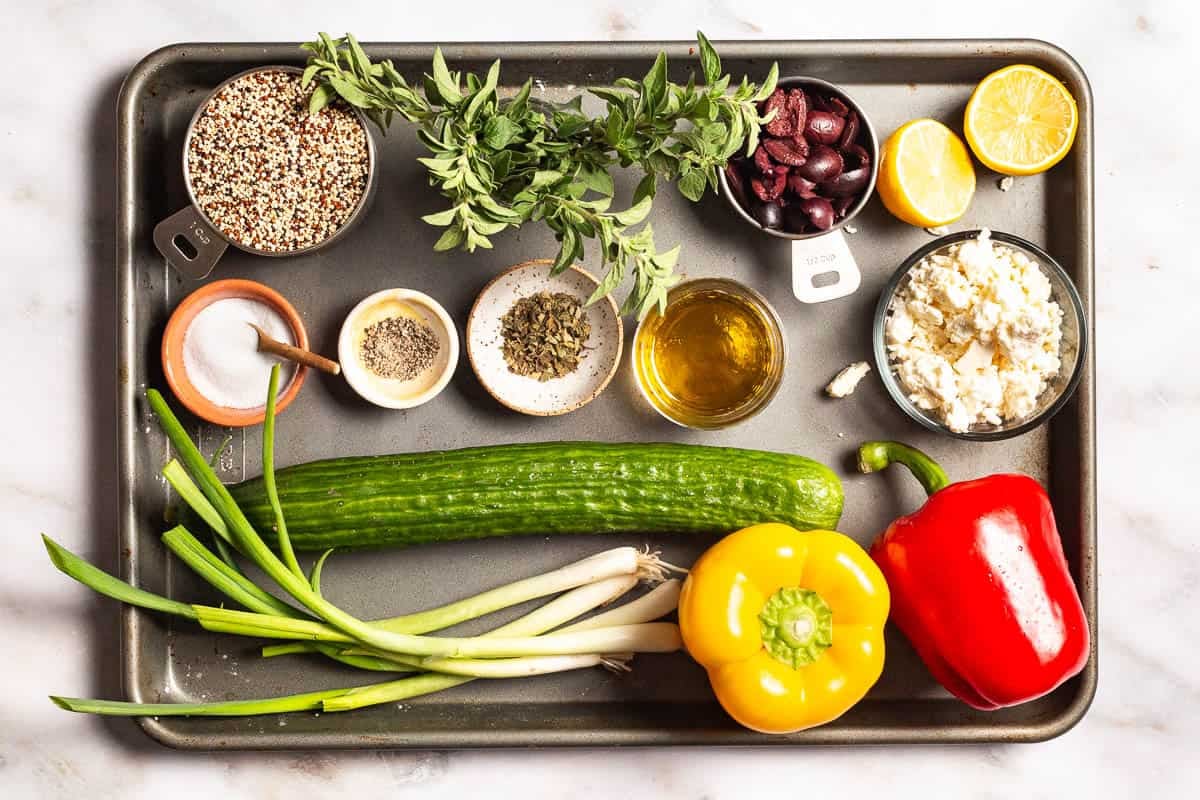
666	699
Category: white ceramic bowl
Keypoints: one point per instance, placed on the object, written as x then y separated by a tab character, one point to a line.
529	395
394	393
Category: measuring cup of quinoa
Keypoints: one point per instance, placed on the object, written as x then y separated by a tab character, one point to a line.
980	335
210	353
398	348
812	172
265	175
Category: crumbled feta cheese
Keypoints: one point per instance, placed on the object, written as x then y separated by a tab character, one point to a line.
846	381
985	317
899	326
926	313
977	358
949	288
976	257
973	334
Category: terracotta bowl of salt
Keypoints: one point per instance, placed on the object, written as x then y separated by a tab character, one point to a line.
210	355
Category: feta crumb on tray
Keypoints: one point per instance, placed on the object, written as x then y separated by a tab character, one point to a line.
846	381
973	335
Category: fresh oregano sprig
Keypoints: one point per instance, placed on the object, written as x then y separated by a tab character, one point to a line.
502	163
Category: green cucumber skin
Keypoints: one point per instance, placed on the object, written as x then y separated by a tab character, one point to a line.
561	487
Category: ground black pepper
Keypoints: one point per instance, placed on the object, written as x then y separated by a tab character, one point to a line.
399	348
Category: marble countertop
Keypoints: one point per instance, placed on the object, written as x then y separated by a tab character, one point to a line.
57	198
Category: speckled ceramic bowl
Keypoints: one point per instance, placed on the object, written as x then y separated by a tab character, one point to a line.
529	395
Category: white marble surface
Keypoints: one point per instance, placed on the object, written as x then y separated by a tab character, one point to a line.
56	473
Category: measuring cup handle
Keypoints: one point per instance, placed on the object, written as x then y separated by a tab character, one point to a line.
189	244
828	254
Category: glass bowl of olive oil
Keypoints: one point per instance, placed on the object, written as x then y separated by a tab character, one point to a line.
713	357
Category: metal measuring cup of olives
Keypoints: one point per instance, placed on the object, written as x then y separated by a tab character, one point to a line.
814	169
282	214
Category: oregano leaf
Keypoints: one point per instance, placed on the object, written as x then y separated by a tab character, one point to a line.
634	214
645	189
321	97
598	180
499	132
447	87
691	185
485	93
766	88
545	177
710	62
450	239
441	218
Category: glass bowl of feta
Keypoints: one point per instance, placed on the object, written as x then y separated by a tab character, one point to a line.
980	335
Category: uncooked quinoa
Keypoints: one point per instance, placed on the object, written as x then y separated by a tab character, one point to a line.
399	348
270	175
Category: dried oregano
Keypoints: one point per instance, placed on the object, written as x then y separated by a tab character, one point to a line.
544	335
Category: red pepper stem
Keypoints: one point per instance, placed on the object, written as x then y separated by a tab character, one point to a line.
875	456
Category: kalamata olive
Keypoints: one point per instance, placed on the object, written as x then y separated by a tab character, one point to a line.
819	212
825	102
847	183
800	186
762	160
769	215
842	204
823	127
737	182
850	132
768	189
786	151
858	153
797	108
795	220
823	164
783	124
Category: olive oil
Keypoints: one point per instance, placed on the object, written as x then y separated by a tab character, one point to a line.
713	357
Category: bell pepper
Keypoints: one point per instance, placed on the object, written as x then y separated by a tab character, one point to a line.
789	625
980	584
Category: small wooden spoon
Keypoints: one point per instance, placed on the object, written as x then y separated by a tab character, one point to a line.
309	359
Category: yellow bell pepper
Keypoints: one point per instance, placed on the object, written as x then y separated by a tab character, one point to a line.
788	624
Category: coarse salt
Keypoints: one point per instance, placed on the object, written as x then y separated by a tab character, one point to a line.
220	352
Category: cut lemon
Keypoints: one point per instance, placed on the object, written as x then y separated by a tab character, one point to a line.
1021	120
926	177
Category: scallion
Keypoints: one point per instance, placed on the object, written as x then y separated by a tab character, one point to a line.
518	649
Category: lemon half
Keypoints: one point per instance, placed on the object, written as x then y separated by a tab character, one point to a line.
926	177
1021	120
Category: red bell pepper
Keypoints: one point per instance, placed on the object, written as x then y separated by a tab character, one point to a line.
979	583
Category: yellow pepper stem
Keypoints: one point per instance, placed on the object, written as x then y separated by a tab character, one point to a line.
796	625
